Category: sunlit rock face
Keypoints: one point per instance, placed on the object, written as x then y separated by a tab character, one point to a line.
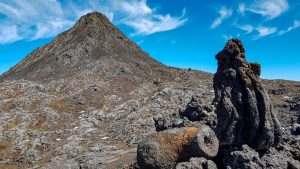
245	114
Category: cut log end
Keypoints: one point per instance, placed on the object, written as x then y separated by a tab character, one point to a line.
207	142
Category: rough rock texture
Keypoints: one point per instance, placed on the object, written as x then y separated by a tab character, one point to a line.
245	113
197	111
168	122
90	109
195	114
197	163
92	41
89	103
296	129
164	149
248	158
247	127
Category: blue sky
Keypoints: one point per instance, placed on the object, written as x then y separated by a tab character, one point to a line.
180	33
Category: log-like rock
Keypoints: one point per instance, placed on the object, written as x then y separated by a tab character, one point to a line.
164	149
245	113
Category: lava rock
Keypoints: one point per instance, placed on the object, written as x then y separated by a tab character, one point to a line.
160	123
245	113
296	129
164	149
274	159
278	91
246	158
294	103
167	122
295	106
195	111
197	163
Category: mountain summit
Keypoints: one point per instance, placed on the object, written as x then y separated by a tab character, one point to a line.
93	45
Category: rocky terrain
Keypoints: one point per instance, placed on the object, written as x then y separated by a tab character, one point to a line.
89	97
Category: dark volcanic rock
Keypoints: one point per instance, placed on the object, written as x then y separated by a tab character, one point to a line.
197	163
246	158
90	95
164	149
245	114
296	129
197	112
168	122
278	91
93	44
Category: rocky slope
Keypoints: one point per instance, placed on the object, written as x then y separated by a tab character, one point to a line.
87	98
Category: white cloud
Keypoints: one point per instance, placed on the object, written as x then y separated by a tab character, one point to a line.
50	29
247	28
267	8
294	26
140	42
228	37
224	13
9	34
155	23
242	8
36	19
134	8
264	31
146	21
8	9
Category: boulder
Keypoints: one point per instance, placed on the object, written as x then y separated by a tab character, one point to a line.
163	150
195	111
167	122
278	91
245	158
296	129
245	113
197	163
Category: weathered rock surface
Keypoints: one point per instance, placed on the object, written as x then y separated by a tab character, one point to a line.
195	114
90	109
197	163
81	102
199	112
247	127
164	149
248	158
168	122
296	129
245	113
93	40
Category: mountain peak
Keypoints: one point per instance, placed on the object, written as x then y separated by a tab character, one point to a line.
93	41
94	15
93	18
